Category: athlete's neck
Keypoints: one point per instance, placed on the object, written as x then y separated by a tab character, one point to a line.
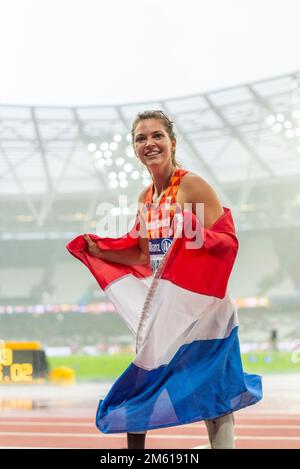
161	179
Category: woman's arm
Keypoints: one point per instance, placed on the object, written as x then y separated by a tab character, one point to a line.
195	190
137	255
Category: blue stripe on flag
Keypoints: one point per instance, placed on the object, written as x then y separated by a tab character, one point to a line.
204	380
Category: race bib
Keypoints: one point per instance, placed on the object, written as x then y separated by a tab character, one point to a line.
158	248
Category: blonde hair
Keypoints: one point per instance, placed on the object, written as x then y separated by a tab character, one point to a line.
167	123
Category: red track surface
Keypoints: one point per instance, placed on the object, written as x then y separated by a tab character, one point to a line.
253	430
64	417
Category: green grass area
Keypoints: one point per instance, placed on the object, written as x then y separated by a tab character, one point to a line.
107	367
269	362
89	368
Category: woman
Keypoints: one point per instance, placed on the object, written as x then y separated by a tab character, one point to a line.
175	192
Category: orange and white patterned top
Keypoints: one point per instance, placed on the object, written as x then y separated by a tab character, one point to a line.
159	216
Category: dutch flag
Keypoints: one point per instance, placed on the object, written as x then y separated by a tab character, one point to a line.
188	364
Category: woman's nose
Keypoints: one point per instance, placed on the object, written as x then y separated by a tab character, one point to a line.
149	142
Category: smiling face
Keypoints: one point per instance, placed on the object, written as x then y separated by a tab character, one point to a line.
152	143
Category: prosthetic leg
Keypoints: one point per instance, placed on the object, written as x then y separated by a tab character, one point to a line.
221	432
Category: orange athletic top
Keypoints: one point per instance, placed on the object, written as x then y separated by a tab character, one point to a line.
159	216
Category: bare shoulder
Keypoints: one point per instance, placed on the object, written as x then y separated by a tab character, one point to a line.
194	189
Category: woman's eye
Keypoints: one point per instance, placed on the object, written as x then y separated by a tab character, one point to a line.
158	135
139	139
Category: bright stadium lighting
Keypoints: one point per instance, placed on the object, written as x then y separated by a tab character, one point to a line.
120	161
290	133
280	117
122	175
130	152
123	183
128	167
135	174
113	146
108	162
98	154
288	125
104	146
296	114
146	182
91	147
126	211
99	163
108	154
128	138
270	120
277	127
297	131
114	184
112	175
117	138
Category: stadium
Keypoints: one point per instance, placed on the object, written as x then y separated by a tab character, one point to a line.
59	164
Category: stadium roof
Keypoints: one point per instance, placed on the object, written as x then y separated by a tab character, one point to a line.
58	163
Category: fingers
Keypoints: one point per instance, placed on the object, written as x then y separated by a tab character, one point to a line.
88	240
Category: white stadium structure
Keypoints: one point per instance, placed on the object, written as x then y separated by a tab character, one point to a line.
57	164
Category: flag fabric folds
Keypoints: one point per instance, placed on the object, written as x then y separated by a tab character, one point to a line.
188	365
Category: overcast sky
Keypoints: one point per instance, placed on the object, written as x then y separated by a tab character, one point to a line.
116	51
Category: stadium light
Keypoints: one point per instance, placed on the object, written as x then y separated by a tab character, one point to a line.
290	133
280	117
112	175
128	167
146	182
91	147
100	163
114	184
117	138
122	175
277	127
270	120
98	154
123	183
104	146
113	146
135	174
130	152
120	161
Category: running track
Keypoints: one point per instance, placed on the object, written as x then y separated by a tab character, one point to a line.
44	431
273	423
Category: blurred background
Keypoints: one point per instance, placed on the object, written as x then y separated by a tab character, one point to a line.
74	75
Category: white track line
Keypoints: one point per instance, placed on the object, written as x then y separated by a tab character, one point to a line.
89	425
38	447
100	435
167	437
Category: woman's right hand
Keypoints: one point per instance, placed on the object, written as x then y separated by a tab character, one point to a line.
93	248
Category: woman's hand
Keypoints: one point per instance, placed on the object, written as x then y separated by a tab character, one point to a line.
93	248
